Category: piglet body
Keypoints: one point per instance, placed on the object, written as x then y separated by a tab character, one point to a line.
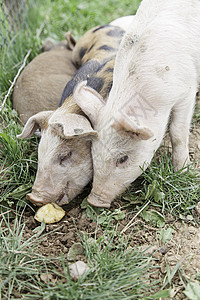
156	74
40	85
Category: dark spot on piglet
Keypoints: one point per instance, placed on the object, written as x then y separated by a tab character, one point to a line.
68	91
105	62
90	48
106	89
82	74
117	32
109	70
82	52
100	27
96	83
107	48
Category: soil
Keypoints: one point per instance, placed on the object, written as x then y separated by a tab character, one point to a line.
184	245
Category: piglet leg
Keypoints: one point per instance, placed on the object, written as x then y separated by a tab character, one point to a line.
179	131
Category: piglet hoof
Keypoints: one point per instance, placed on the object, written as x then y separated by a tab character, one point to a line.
98	202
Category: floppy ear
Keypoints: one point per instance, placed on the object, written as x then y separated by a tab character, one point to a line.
127	124
34	123
89	100
71	125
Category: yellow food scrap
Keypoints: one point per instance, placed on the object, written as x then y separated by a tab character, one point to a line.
50	213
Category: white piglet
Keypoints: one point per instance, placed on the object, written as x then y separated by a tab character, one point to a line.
156	75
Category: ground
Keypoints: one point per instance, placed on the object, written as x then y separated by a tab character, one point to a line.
183	246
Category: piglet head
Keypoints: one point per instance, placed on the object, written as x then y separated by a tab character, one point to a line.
64	156
123	149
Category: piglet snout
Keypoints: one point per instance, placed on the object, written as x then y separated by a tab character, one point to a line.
97	200
36	200
63	200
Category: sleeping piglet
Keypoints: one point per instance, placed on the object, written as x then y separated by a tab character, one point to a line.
40	85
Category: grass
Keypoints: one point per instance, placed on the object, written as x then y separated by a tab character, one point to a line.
172	192
20	266
79	16
116	271
18	161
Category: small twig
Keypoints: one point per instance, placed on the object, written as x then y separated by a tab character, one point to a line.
6	212
15	79
131	221
149	227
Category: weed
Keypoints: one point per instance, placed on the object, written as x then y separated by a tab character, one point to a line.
174	192
116	270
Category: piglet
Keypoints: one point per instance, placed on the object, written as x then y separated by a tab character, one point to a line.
156	75
40	85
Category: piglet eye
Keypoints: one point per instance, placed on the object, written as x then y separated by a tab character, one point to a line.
121	160
64	158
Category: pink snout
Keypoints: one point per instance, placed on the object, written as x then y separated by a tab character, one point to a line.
39	201
36	200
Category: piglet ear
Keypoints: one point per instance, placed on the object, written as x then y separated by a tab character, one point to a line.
33	123
128	125
71	42
71	126
89	100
